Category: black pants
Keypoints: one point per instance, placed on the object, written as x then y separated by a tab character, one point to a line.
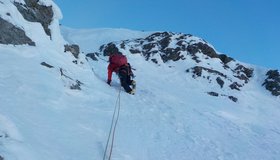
125	78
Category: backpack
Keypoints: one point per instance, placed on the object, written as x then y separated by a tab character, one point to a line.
118	59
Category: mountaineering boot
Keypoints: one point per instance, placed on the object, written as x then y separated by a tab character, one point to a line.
132	92
133	83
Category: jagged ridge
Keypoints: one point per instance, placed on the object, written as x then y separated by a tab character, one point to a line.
164	47
272	82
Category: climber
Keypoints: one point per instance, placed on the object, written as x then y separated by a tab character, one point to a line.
118	64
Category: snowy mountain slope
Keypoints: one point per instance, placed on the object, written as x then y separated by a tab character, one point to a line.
189	53
62	110
34	99
171	117
181	122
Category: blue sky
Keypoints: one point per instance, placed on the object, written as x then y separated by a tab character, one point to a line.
247	30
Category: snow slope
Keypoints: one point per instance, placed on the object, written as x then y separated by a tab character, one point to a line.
85	37
170	117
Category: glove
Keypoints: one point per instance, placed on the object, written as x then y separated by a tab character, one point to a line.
109	82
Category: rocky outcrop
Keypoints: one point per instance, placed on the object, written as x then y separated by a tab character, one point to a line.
220	82
234	99
92	56
197	71
161	48
109	48
243	73
235	86
32	11
157	43
10	34
207	50
47	65
1	158
76	85
74	49
272	82
215	94
170	46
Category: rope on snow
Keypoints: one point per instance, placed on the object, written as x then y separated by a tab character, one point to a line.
110	142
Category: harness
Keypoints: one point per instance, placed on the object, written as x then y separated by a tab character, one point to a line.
125	69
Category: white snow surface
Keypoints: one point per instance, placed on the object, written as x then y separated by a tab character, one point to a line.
33	30
171	117
85	37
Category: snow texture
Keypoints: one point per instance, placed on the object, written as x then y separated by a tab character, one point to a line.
170	117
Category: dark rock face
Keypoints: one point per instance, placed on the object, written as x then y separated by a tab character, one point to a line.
76	86
204	48
197	70
225	59
171	54
209	51
156	43
243	73
46	65
135	51
213	94
10	34
272	82
1	158
93	56
74	49
235	86
220	82
154	60
234	99
35	12
109	49
162	41
170	46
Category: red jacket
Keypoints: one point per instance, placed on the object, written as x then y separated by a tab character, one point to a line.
112	68
115	68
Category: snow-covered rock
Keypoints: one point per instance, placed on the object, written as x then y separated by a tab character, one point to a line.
272	82
55	103
36	22
34	69
198	57
11	34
